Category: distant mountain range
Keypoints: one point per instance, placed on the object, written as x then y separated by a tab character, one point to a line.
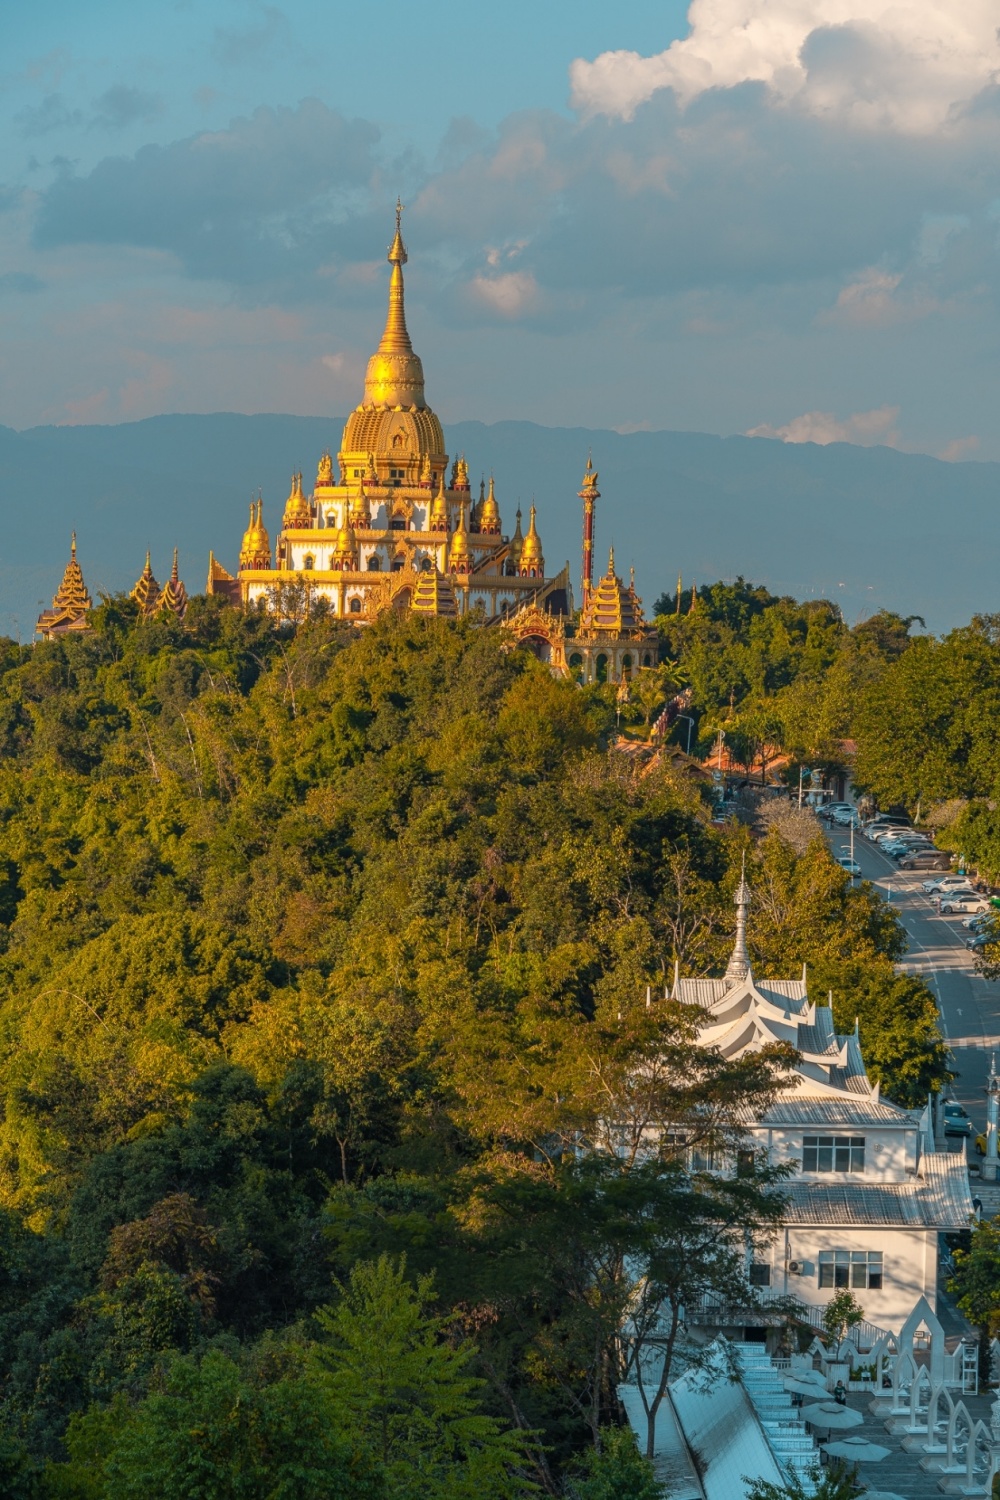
867	527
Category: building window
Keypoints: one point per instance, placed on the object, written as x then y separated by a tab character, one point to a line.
646	659
833	1153
396	477
354	606
760	1275
425	565
373	565
627	667
309	564
602	668
851	1268
359	474
397	524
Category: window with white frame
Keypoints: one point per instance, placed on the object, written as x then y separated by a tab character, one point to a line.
833	1153
851	1268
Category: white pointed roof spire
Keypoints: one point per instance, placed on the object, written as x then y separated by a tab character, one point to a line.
739	961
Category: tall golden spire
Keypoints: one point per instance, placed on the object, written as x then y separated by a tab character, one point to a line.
395	375
72	597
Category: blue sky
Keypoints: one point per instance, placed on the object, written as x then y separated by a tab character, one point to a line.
773	216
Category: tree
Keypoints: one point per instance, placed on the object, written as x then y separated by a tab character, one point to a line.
614	1471
842	1313
837	1482
212	1433
394	1378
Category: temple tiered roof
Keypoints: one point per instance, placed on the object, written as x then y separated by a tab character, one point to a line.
70	603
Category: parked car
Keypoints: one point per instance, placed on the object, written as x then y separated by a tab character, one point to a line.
850	865
956	1120
957	902
979	923
980	940
926	859
844	816
887	831
946	883
834	807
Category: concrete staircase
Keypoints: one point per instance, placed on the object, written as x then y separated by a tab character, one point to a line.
791	1443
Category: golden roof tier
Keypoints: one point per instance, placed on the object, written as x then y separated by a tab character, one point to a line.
393	427
70	603
255	551
173	599
146	591
434	595
612	608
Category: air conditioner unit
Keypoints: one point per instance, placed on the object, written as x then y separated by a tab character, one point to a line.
795	1267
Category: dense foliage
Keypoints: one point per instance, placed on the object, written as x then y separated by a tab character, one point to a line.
319	952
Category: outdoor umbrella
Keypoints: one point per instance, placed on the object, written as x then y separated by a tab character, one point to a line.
830	1414
858	1449
803	1386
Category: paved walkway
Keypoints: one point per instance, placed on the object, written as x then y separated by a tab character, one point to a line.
901	1473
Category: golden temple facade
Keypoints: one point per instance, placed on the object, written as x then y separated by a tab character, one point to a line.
388	512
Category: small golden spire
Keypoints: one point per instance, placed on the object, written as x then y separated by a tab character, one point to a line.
532	563
438	520
679	592
298	513
71	597
489	512
460	555
517	540
694	599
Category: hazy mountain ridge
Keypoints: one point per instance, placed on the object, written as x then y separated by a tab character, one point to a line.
869	527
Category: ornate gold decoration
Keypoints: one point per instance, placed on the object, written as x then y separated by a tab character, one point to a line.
438	519
433	595
173	599
324	473
613	610
255	553
531	563
489	513
146	592
70	602
459	552
298	514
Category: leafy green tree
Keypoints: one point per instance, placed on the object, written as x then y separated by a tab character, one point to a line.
393	1378
837	1482
210	1433
614	1471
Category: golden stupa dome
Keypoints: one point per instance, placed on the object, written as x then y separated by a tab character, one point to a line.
345	549
255	551
394	420
298	513
531	550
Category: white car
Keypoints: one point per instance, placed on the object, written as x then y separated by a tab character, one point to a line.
950	904
847	863
889	831
945	883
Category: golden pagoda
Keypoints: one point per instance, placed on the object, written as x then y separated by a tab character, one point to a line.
146	592
173	598
531	563
386	510
70	603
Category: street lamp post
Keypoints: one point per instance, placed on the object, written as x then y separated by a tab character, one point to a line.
690	725
991	1161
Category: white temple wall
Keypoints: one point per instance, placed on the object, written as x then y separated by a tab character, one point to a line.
909	1267
890	1154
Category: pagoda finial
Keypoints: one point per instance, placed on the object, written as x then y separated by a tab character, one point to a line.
72	546
739	962
611	561
679	592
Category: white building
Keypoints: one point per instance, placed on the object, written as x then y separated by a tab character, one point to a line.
870	1195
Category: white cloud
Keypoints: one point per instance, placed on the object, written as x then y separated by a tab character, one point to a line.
865	428
512	294
959	448
902	64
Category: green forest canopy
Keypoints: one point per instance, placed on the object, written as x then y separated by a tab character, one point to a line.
313	945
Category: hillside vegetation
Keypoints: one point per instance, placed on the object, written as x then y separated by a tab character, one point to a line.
324	969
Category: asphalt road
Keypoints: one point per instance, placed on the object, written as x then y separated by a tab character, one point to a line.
969	1006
